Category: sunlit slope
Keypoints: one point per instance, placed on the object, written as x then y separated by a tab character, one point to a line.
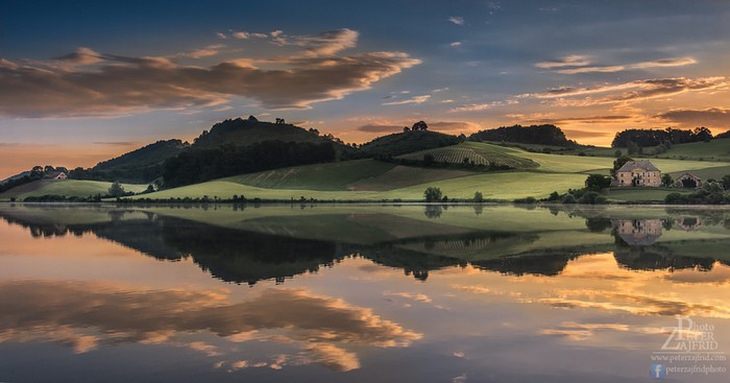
501	186
715	150
69	188
474	153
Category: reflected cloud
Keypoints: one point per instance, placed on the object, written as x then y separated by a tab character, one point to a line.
83	315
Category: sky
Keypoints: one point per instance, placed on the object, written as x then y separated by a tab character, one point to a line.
82	81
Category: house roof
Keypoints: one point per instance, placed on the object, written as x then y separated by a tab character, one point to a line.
641	164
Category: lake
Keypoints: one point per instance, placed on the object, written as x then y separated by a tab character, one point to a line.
363	293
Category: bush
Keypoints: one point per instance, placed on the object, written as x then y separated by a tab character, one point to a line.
432	194
478	197
568	198
526	200
592	198
598	182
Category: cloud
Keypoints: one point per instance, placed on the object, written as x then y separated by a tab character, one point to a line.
574	133
208	51
83	315
377	128
240	35
457	20
713	117
566	61
661	63
412	100
417	297
118	85
481	107
455	44
116	143
323	44
221	35
459	126
576	64
82	56
632	91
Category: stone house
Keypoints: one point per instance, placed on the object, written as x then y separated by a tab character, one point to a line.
638	173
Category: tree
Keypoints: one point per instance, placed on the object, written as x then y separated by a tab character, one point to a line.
725	181
280	121
618	153
633	147
116	190
619	162
702	134
597	182
667	180
433	194
420	125
478	197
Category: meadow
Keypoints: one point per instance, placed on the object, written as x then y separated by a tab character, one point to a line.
535	175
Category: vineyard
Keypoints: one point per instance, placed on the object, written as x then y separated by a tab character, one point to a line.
473	154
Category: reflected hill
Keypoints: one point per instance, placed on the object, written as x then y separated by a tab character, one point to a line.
247	245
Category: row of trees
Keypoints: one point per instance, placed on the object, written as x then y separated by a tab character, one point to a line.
533	134
634	139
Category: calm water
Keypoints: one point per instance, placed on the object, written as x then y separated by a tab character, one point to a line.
363	293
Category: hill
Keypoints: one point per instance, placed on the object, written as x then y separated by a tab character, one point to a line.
406	142
242	132
138	166
717	149
534	134
372	180
68	188
471	155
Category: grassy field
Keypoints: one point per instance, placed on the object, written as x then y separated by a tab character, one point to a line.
641	194
372	180
477	153
70	188
715	150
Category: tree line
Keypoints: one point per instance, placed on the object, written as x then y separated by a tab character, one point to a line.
199	165
655	137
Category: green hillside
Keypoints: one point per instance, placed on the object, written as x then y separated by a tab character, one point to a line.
360	175
474	153
714	150
140	165
69	188
406	142
373	180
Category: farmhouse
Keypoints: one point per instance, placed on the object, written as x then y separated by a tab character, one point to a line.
638	173
688	180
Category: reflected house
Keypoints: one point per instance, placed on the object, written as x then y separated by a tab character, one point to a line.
688	223
639	232
638	173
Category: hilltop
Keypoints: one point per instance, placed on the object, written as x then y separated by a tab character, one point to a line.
414	139
549	135
243	132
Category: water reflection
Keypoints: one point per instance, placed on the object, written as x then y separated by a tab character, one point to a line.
279	246
483	289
